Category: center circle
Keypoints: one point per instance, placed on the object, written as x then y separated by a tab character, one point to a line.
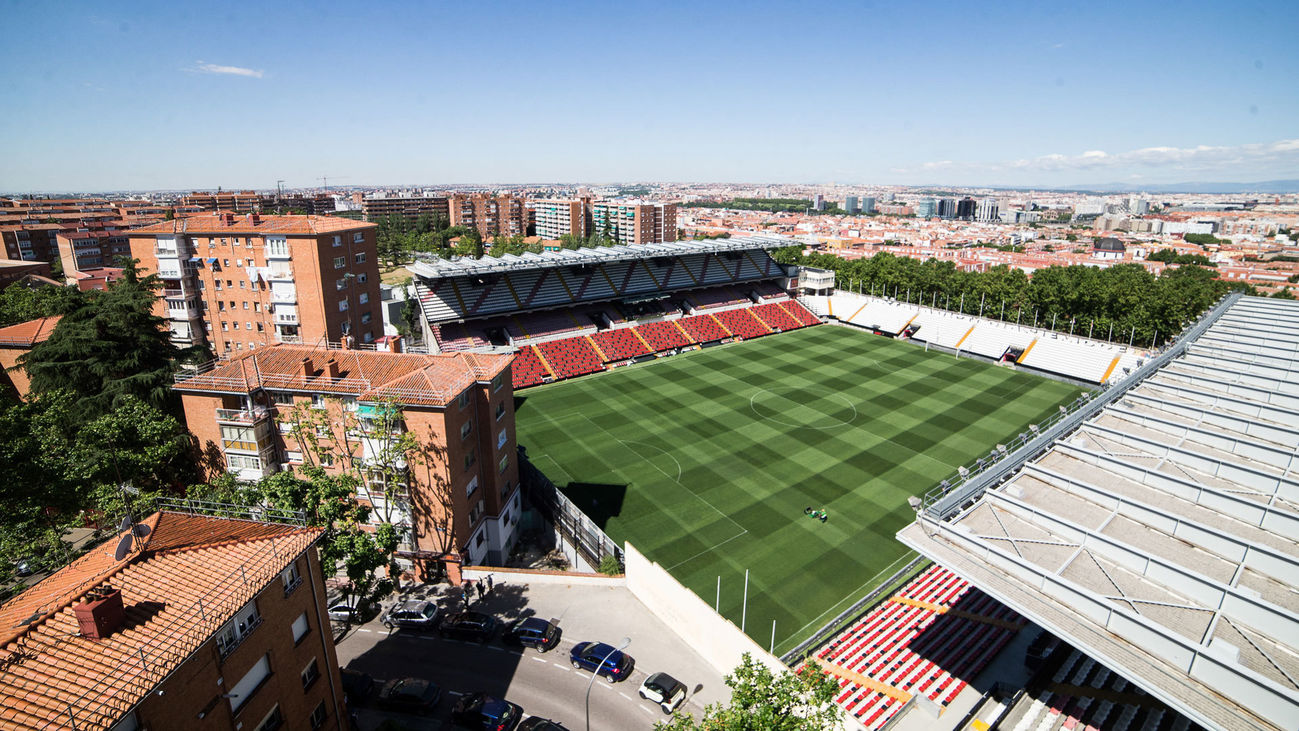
803	407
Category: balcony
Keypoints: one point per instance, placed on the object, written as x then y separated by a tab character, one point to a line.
279	274
286	318
243	416
277	250
284	296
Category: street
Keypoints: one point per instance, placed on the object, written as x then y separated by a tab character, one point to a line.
546	684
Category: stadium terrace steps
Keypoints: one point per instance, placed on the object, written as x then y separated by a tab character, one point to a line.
703	328
620	344
662	335
527	369
742	323
570	357
708	299
799	312
931	638
775	317
1078	358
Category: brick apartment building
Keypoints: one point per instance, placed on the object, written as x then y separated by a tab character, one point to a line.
87	251
238	282
492	215
461	491
243	202
204	623
635	221
28	241
15	342
20	272
557	217
408	207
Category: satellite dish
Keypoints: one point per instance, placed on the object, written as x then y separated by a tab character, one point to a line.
123	547
141	530
126	523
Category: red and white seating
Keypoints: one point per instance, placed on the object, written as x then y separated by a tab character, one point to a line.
570	357
663	335
619	344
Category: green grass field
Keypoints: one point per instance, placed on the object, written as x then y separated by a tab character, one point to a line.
705	461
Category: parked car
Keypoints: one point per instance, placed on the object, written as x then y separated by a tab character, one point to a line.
412	614
602	659
664	690
482	711
357	686
412	695
541	724
532	632
474	626
348	610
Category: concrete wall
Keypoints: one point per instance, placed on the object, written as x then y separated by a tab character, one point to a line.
714	637
531	576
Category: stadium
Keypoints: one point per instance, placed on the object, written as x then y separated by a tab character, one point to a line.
902	494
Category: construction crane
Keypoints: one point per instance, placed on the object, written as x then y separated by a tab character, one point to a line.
324	179
279	190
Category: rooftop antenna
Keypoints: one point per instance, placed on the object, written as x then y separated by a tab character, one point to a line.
128	526
279	191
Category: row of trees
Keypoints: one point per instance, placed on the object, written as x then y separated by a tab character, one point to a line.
1124	303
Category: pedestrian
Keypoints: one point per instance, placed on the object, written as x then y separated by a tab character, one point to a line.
481	590
464	595
489	583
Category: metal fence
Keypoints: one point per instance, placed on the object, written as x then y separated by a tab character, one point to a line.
572	523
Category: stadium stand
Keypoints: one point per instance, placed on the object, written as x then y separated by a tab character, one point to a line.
620	344
663	335
930	638
742	324
703	328
796	310
776	317
1156	530
570	357
769	291
709	299
527	369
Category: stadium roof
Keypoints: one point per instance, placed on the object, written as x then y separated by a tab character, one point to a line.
1158	533
433	268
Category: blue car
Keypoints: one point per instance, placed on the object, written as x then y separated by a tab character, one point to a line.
617	665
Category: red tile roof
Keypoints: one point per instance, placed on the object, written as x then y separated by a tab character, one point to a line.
179	584
243	223
27	334
407	378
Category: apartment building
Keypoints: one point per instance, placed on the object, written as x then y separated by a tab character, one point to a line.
243	202
492	215
15	342
84	251
458	498
238	282
27	240
185	621
410	208
635	221
557	217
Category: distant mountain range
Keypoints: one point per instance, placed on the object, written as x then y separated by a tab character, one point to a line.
1266	186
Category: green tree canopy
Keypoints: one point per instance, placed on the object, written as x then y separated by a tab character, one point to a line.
109	347
20	304
762	700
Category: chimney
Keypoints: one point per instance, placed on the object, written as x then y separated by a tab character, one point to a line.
331	368
100	612
307	370
254	218
228	219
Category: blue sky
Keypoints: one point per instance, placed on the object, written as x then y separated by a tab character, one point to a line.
103	96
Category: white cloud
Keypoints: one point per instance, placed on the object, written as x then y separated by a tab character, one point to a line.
1201	159
212	68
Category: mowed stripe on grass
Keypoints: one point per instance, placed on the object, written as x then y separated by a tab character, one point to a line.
706	461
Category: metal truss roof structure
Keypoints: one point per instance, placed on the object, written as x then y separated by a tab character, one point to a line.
430	267
1159	532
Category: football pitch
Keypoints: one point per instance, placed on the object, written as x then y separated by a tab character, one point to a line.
706	461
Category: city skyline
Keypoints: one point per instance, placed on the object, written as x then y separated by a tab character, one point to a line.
167	97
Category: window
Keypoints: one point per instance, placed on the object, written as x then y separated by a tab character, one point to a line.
225	262
357	237
225	327
362	277
341	284
478	542
249	326
241	284
501	439
310	674
363	298
498	382
238	262
470	458
257	307
234	631
300	628
360	257
236	325
318	716
368	337
463	400
317	401
500	410
247	684
365	318
340	262
260	327
291	578
282	397
342	305
505	464
473	485
245	304
338	241
465	428
221	306
273	720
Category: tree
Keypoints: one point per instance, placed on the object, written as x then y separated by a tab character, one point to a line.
764	701
20	304
108	348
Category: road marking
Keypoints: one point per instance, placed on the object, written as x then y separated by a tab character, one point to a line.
539	659
454	692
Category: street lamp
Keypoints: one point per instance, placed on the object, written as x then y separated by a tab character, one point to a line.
621	645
